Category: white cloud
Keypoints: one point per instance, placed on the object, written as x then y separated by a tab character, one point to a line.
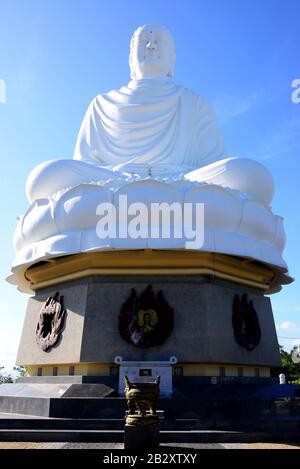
295	342
288	344
288	326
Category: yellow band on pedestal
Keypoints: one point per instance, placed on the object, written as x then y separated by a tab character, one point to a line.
150	262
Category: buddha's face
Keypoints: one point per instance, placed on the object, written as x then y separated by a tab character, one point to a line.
152	53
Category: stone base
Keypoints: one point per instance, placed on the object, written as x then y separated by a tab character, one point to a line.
202	333
192	398
106	381
56	390
48	398
141	437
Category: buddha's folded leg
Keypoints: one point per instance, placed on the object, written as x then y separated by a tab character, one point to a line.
54	175
242	174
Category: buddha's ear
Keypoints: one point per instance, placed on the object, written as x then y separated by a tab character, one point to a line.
132	72
172	65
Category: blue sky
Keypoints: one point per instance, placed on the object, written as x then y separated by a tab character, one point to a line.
56	55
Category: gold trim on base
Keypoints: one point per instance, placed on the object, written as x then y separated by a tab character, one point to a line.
150	262
180	369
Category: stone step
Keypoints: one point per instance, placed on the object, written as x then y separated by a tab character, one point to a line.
61	424
58	435
19	422
114	436
114	407
263	423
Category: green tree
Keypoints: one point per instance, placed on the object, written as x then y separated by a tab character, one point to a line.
18	372
21	372
290	369
5	378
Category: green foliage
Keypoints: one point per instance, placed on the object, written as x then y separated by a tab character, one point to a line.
290	369
18	372
6	378
296	381
21	370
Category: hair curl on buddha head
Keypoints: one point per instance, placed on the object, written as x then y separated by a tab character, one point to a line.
168	38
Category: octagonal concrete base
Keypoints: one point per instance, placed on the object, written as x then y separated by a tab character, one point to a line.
202	335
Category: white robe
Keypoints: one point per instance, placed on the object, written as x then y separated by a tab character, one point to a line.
150	122
151	127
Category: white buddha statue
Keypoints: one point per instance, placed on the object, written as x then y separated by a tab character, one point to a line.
151	127
153	141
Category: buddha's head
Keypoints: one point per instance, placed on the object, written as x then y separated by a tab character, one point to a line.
152	52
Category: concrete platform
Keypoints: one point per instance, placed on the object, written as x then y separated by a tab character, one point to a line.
197	420
191	399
